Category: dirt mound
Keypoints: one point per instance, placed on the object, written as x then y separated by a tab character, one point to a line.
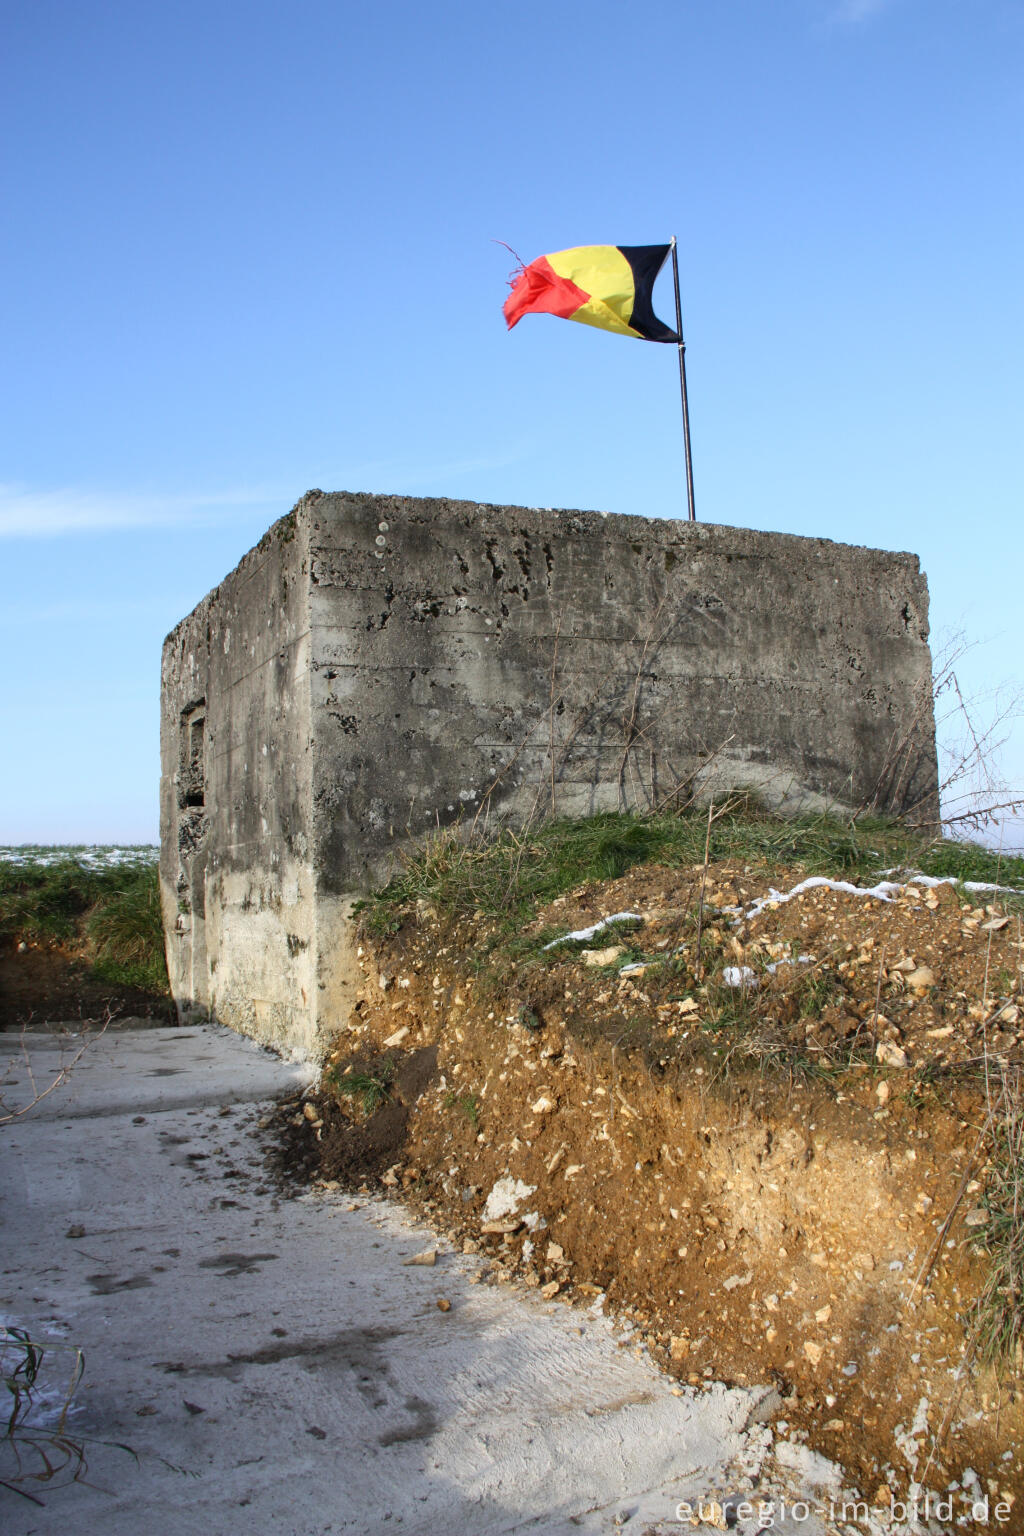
56	983
765	1129
336	1141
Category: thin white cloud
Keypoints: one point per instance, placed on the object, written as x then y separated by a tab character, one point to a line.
34	514
26	513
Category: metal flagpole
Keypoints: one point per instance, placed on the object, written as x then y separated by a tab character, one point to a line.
682	385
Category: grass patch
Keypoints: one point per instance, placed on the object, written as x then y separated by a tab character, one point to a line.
969	861
525	949
46	902
508	876
999	1311
730	1009
377	919
372	1089
104	902
818	991
125	930
468	1104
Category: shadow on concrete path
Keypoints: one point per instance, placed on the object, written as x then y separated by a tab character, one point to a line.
278	1352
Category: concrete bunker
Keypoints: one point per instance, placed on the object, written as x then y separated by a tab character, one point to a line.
378	666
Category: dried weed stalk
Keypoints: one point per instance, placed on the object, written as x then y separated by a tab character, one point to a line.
61	1075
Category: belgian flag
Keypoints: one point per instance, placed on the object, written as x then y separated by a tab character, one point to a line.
610	286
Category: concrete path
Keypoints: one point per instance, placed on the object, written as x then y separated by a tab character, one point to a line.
270	1360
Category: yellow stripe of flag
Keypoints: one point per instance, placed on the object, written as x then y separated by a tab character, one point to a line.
604	273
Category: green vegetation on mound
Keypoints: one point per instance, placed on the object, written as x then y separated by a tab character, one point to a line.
104	903
511	875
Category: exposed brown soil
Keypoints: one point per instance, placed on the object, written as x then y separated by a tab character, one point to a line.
53	983
776	1183
351	1147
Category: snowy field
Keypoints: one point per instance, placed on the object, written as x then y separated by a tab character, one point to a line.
89	857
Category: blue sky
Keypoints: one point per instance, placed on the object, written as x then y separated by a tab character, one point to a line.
250	250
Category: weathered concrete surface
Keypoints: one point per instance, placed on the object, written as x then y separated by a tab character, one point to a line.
236	873
379	666
280	1354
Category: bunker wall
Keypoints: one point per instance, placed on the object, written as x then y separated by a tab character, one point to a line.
236	872
380	666
515	661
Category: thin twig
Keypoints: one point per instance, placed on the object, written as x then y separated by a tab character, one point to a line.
61	1076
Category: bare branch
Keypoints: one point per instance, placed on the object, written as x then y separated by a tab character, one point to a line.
60	1076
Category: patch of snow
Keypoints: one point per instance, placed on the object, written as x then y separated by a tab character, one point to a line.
85	857
931	881
885	890
582	935
739	976
800	960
